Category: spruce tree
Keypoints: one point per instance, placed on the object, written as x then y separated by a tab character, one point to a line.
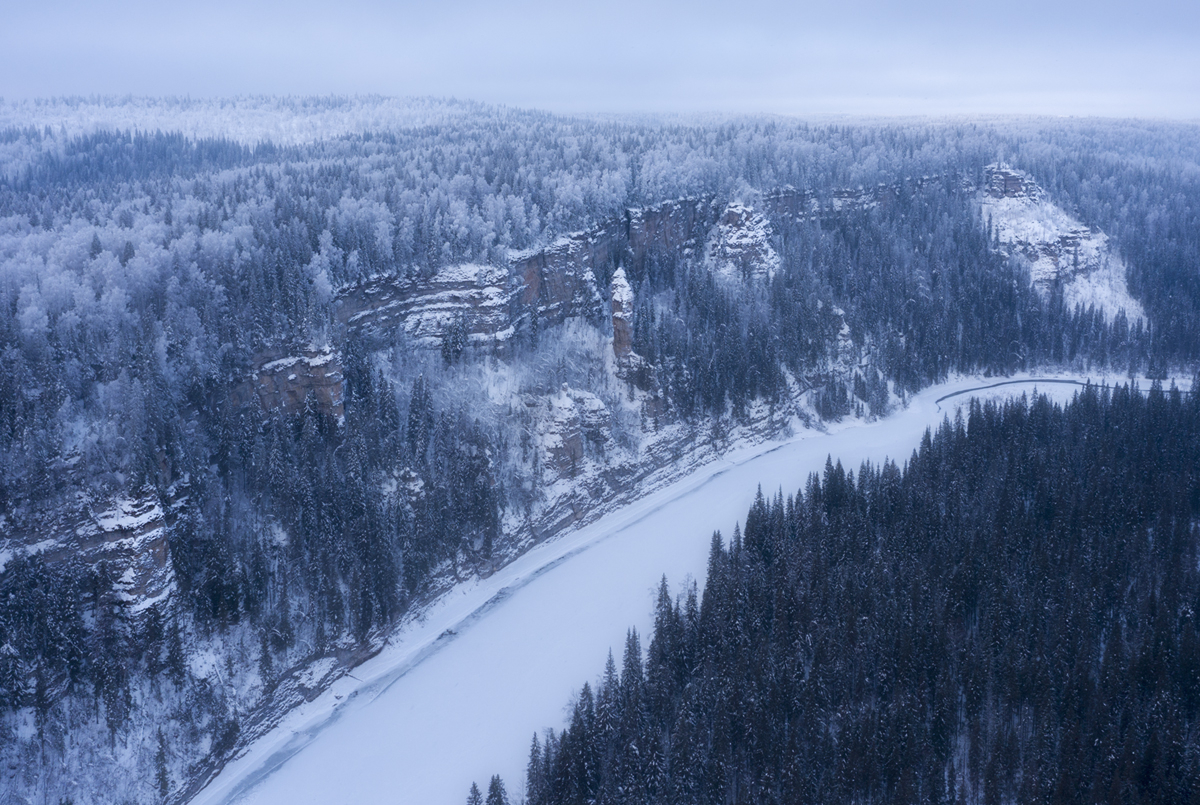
496	794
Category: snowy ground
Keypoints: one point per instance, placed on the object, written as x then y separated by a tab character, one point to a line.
456	697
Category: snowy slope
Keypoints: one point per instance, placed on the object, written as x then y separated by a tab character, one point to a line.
457	695
1056	246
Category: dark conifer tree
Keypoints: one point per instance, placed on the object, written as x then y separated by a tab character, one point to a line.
496	794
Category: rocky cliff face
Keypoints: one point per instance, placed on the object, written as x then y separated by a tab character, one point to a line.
739	245
578	275
672	230
286	381
1059	249
131	537
560	281
127	538
476	297
621	295
569	278
1001	181
1057	246
789	204
574	426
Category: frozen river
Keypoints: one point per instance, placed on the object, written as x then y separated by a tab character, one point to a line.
456	697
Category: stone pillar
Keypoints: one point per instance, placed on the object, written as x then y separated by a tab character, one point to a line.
622	315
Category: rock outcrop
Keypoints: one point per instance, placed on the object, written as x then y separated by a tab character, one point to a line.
127	538
622	315
425	309
568	278
1056	246
574	426
739	245
559	281
1059	249
285	382
131	538
670	231
1001	181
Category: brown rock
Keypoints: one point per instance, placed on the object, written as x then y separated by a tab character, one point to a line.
284	383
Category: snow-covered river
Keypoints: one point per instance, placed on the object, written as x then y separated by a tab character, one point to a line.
457	697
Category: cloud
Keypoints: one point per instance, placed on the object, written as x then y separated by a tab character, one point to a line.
855	57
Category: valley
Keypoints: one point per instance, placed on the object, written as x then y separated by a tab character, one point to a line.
491	662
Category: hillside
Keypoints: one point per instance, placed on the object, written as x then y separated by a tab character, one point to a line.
264	399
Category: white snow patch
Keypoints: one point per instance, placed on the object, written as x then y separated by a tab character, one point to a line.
321	357
143	604
129	515
1104	288
622	292
204	664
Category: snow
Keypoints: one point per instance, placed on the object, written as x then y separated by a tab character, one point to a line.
316	673
129	515
250	120
622	293
37	547
1058	246
204	664
141	605
456	694
324	355
472	273
1104	289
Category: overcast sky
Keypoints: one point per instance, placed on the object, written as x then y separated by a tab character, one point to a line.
804	58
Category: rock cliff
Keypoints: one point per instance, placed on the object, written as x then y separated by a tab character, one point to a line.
425	308
1059	250
125	538
286	381
739	245
622	315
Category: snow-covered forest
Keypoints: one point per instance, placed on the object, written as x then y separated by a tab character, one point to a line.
898	636
275	373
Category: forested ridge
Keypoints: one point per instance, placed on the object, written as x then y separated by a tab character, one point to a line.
147	276
1009	617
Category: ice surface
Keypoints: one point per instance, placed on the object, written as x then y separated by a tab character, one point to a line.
456	696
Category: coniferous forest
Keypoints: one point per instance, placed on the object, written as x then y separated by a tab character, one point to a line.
261	401
1011	616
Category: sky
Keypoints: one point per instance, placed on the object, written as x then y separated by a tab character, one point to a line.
854	57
